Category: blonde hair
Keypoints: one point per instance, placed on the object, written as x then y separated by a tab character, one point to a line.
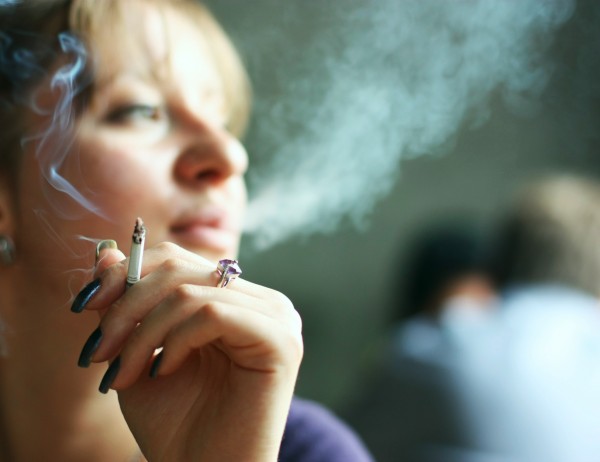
27	29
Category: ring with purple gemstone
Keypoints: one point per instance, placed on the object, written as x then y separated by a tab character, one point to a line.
227	270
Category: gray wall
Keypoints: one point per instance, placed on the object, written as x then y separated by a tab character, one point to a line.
343	282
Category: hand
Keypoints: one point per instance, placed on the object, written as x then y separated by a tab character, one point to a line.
229	362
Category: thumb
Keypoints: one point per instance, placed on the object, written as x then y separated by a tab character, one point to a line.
107	254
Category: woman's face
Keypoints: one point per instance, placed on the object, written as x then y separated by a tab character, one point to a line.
153	145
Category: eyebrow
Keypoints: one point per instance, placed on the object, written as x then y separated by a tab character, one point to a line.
114	78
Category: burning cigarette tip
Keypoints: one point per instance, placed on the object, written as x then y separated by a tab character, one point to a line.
139	231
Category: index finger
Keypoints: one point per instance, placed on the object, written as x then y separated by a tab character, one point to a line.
178	265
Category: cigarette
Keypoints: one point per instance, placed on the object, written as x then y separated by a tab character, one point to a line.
134	270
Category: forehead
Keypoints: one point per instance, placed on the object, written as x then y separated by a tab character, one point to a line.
159	44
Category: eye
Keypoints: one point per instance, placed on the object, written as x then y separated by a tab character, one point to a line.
135	113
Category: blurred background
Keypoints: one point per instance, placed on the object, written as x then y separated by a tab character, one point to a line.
373	119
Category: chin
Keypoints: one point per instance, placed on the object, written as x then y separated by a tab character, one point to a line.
213	254
211	243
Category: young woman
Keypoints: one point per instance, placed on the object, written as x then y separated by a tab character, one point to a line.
111	110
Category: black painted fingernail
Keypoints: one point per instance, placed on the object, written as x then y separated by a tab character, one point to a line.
85	296
110	375
156	365
91	345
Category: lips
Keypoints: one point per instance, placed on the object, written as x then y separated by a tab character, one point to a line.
209	229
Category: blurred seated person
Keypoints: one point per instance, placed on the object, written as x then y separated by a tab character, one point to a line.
445	275
534	384
523	381
408	400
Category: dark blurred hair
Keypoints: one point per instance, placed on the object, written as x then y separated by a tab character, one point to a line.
551	235
437	256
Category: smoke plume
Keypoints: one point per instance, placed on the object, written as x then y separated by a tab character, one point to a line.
371	85
378	83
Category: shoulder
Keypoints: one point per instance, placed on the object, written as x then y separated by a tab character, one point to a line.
315	434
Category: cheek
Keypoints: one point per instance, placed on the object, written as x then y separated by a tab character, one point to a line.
242	195
117	179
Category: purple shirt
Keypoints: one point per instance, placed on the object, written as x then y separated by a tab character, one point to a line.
314	434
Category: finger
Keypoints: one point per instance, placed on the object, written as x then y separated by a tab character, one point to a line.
154	302
164	278
103	289
202	270
110	284
252	340
143	339
111	275
146	338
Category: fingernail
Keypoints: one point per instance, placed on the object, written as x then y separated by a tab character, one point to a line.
156	365
91	345
105	244
110	375
85	296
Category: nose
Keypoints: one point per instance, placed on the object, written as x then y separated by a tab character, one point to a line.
209	156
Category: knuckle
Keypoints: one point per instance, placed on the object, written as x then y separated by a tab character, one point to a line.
288	310
215	313
296	320
212	311
114	271
136	335
184	293
283	301
170	265
278	301
167	248
113	315
294	347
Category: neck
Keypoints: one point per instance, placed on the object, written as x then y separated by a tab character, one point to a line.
49	408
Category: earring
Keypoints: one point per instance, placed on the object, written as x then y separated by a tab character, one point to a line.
7	250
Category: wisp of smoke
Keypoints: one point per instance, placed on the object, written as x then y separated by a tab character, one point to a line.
383	82
61	122
23	58
54	142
